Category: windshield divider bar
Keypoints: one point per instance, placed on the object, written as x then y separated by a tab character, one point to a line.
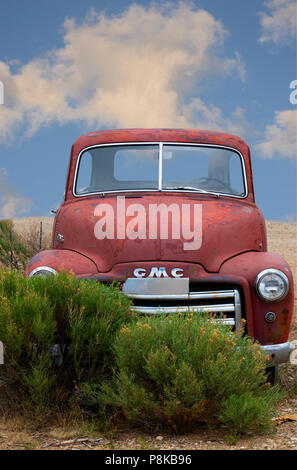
160	166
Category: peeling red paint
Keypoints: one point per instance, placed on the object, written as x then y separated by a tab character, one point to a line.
234	244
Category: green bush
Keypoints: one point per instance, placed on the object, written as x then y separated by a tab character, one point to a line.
249	412
38	312
173	371
178	371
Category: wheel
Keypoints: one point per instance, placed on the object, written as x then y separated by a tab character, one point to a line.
271	373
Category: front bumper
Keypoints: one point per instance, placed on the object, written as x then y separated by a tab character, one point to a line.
278	353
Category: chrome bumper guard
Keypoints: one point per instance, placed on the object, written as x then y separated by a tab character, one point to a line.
278	353
156	292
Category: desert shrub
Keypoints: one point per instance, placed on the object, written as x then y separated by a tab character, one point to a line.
39	379
178	371
39	312
13	249
17	247
88	315
247	411
161	371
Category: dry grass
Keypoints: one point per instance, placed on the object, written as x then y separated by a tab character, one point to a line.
25	224
282	239
29	229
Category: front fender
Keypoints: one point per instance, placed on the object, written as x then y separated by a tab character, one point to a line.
63	260
248	265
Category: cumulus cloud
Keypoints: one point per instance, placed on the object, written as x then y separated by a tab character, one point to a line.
12	203
209	116
280	23
281	136
137	69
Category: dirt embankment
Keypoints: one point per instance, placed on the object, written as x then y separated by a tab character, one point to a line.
27	225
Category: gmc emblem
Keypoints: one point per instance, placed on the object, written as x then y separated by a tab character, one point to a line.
158	272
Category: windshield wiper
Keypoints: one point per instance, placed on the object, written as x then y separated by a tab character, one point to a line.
191	188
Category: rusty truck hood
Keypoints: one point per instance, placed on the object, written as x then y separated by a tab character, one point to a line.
228	226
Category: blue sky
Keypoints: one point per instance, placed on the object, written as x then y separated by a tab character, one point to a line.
76	66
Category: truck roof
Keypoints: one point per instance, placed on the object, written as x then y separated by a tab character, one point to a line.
161	135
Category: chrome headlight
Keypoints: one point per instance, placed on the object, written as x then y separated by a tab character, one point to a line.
42	271
272	285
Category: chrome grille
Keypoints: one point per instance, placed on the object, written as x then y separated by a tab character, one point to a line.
224	305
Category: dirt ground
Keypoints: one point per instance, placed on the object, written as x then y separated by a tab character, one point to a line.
282	239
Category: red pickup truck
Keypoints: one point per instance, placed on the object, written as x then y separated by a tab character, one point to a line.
171	215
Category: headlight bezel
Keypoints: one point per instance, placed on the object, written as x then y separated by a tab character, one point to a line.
268	271
40	269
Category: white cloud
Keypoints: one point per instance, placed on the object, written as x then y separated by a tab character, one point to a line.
207	116
137	69
12	203
279	25
281	136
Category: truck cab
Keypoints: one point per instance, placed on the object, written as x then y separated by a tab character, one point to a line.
171	215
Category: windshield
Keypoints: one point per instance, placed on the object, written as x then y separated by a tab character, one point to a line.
209	169
160	167
116	167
